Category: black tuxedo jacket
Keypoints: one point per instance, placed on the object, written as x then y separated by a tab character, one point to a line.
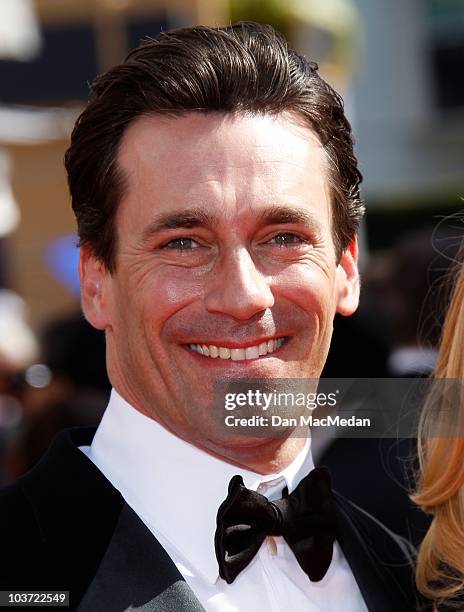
63	526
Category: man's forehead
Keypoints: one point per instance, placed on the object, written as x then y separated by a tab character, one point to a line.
214	136
235	165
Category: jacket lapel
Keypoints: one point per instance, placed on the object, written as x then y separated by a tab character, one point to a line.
97	546
381	562
137	574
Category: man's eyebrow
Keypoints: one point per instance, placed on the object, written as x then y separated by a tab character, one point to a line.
198	217
182	219
283	214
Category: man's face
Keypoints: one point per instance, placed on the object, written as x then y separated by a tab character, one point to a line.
224	241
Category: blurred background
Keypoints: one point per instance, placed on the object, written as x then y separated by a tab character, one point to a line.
399	66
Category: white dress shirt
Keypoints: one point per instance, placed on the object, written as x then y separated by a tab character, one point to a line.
176	490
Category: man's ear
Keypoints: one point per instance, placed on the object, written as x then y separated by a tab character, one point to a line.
94	282
347	279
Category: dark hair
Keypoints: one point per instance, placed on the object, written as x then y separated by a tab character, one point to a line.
245	67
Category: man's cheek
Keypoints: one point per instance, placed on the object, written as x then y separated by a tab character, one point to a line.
308	291
171	294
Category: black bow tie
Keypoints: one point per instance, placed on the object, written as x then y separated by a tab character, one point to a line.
305	519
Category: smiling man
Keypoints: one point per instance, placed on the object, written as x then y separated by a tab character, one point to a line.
225	267
217	198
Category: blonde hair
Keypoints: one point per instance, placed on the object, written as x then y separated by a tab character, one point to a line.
440	492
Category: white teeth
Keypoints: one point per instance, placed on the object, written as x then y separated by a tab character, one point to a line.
237	354
252	352
224	353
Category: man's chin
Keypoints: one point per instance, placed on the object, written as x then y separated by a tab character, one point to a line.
226	431
245	450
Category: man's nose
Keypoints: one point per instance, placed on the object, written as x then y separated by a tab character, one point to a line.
238	289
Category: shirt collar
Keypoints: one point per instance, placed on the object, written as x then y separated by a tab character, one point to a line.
172	485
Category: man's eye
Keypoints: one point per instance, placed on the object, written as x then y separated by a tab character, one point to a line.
181	244
287	239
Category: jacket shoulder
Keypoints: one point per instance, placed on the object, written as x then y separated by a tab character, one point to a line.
23	555
57	520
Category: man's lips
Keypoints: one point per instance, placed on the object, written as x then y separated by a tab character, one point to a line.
234	352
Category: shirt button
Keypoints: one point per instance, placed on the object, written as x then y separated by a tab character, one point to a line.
271	546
